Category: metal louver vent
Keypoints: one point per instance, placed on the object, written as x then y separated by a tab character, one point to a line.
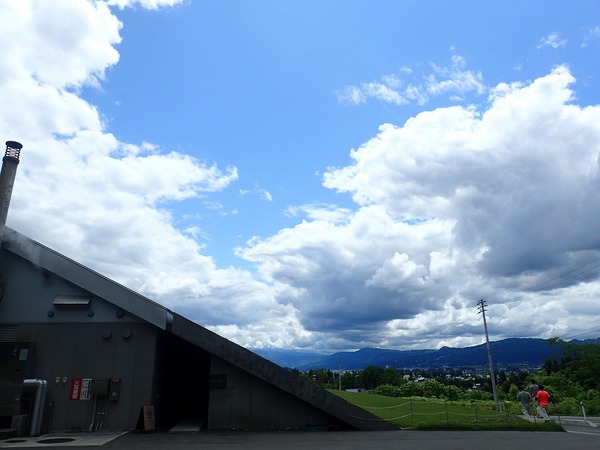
8	333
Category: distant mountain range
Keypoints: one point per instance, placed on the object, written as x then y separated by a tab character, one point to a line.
507	354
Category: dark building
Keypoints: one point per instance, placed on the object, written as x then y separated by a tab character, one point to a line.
81	352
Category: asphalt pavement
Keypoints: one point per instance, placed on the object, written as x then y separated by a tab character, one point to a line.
579	435
579	439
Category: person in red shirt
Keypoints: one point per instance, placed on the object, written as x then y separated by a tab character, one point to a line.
543	397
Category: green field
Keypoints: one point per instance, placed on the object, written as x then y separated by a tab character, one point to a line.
430	414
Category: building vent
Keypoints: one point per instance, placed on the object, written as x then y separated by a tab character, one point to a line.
72	300
8	333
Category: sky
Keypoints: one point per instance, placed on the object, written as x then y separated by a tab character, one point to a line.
322	175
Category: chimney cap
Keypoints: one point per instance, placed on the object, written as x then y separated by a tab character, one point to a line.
14	144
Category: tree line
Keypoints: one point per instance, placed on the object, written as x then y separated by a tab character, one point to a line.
572	376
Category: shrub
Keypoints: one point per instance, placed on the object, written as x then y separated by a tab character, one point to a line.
387	390
411	389
568	407
454	393
479	395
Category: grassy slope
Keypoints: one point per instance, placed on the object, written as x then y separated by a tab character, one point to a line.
431	414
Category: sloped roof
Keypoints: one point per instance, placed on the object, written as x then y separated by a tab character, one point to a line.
80	275
47	259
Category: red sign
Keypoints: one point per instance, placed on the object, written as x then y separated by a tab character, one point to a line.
80	389
75	389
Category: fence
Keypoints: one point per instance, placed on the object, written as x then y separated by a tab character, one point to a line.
414	413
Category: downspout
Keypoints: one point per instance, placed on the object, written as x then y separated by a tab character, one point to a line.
37	411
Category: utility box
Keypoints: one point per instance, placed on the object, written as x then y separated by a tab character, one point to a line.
99	387
114	389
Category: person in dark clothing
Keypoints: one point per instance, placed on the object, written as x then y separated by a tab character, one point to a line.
525	399
533	388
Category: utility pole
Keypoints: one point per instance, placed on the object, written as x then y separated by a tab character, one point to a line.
481	310
340	373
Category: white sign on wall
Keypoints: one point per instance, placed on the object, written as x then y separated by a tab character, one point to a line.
80	389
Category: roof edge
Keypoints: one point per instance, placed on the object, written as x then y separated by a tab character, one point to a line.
277	376
47	259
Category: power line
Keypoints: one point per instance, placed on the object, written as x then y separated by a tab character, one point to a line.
582	333
531	297
561	280
566	273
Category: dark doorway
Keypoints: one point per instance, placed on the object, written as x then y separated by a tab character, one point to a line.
183	392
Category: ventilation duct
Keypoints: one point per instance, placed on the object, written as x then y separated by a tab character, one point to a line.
7	176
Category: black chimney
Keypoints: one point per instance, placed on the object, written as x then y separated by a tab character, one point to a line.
7	176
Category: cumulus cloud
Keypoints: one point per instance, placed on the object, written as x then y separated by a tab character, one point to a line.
455	205
107	203
100	200
524	156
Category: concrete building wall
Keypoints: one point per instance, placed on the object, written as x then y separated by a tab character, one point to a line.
94	340
241	401
67	352
160	357
29	294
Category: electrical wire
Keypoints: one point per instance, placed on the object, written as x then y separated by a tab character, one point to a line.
561	280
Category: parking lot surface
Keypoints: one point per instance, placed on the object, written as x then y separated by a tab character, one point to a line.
577	436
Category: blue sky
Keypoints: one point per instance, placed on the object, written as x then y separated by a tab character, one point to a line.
255	85
319	174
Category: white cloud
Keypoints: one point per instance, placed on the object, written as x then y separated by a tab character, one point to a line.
328	213
351	94
552	40
149	4
107	203
592	34
110	199
261	192
524	156
456	205
384	92
266	195
48	45
454	81
48	52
